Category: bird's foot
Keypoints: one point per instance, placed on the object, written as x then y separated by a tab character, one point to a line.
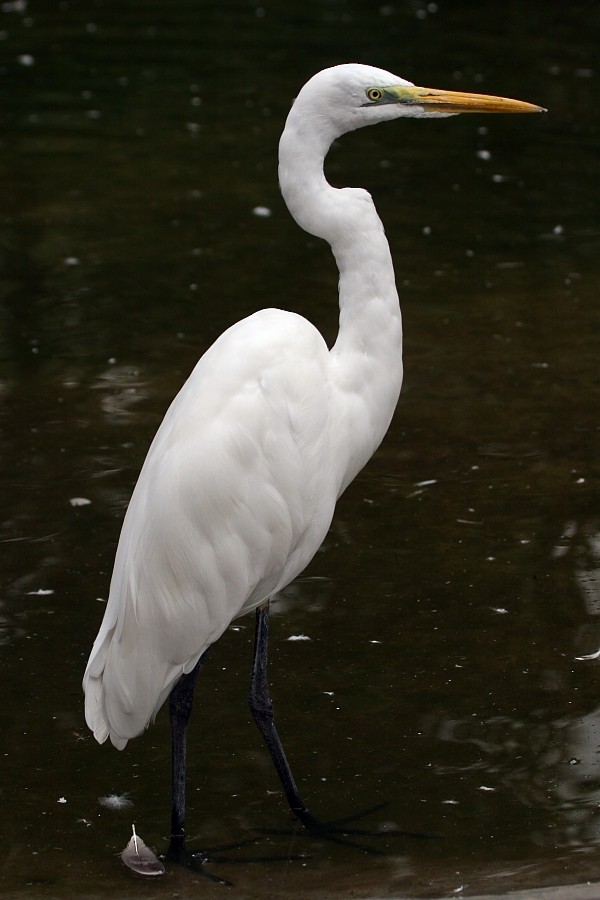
341	831
198	860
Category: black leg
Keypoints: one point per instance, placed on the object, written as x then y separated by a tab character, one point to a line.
261	708
180	709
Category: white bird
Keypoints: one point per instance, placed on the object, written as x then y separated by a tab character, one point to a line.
240	483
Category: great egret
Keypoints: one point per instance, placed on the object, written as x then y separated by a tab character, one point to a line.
241	480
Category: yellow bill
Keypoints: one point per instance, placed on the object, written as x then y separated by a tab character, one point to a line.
433	100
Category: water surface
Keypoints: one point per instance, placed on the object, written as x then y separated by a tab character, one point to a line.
460	581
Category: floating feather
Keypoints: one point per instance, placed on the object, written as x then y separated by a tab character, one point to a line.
138	857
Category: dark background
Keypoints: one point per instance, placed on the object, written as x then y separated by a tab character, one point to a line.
446	617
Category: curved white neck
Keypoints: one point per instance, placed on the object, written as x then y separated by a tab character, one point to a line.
366	360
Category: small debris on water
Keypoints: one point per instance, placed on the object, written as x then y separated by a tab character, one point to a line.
299	637
115	801
595	655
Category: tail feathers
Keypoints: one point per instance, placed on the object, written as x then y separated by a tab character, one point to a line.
122	700
126	682
95	715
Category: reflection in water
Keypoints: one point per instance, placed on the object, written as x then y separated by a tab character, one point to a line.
122	391
577	780
542	761
587	570
579	791
10	630
532	764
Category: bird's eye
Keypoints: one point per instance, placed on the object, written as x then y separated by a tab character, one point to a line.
374	94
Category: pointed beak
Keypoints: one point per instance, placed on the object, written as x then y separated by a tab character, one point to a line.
432	100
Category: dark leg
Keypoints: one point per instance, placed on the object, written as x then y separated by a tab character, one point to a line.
261	708
180	709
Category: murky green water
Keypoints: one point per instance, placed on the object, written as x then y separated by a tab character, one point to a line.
461	577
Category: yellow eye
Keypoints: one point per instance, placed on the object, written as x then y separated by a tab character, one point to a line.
374	94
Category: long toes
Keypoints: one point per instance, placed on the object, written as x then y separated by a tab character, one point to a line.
338	831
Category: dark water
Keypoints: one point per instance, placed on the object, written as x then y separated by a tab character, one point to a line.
461	577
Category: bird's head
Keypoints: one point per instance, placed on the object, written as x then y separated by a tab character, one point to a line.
346	97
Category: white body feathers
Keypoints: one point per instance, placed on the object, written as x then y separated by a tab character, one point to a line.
240	483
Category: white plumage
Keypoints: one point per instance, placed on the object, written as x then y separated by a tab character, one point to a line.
240	483
239	486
